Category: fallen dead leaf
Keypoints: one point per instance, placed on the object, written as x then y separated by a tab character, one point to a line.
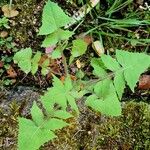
9	12
144	82
3	34
98	47
11	72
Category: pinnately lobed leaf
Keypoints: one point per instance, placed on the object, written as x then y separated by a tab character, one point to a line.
60	94
113	65
109	105
126	68
53	18
37	114
33	134
133	65
31	137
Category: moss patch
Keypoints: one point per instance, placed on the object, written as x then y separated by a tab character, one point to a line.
94	132
91	131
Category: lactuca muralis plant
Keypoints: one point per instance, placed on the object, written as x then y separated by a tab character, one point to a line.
105	91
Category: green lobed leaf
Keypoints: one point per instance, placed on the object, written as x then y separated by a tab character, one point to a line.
37	114
109	106
23	58
72	103
59	94
54	124
23	54
99	69
25	65
53	18
57	83
79	47
58	97
36	57
31	137
35	61
110	63
47	101
34	68
77	94
56	53
62	114
68	84
56	36
45	68
102	88
133	65
119	84
114	66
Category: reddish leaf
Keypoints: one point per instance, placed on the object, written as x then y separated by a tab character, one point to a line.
144	82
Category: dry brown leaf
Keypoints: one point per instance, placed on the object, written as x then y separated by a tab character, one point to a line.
98	47
3	34
144	82
9	12
11	72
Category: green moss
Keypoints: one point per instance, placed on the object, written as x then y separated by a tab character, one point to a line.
92	131
95	132
9	127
